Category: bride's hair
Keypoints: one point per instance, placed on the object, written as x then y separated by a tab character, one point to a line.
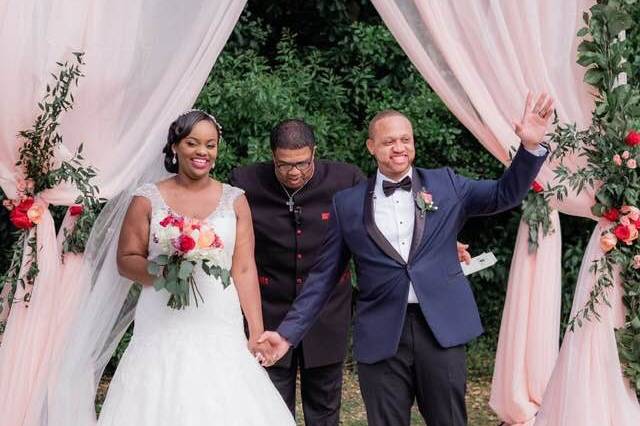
180	129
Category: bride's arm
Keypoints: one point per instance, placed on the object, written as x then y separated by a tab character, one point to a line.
244	272
133	243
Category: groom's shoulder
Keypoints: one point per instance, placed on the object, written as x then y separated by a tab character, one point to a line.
442	175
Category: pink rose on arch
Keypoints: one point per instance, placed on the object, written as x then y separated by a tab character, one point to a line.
631	163
617	160
21	185
607	242
631	211
636	261
625	155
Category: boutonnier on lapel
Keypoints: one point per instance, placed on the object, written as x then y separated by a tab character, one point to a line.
425	203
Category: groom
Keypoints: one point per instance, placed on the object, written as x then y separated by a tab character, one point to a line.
415	310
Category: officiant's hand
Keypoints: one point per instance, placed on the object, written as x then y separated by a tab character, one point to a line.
280	346
535	120
463	254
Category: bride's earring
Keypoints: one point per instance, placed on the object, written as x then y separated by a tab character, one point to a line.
174	160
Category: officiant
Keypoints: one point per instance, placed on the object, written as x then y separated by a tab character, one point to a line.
290	198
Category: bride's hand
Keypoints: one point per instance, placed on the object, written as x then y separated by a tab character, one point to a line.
261	351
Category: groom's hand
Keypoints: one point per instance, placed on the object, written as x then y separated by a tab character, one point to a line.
279	345
532	128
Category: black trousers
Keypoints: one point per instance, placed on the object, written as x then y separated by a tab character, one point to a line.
421	370
320	388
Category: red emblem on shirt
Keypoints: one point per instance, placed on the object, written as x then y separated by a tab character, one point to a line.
325	216
263	280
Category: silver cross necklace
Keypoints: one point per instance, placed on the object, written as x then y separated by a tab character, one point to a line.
290	203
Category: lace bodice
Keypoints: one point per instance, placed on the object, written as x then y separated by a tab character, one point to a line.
220	309
216	219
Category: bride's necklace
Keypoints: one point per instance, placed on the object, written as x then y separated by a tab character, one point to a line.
290	203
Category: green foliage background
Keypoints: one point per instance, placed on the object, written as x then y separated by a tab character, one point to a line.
334	64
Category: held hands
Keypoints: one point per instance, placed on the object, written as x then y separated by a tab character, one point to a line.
278	345
261	351
535	120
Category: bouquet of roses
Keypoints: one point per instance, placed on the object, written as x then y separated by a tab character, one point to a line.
186	243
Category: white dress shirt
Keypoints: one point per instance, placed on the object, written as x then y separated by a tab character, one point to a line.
394	215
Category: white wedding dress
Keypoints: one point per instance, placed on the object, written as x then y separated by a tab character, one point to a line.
192	367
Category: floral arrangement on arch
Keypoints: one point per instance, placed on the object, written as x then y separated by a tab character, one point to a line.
43	164
611	147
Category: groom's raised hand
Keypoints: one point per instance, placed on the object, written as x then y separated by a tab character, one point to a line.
535	120
279	346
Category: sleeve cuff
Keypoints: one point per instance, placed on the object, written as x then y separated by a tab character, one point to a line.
541	151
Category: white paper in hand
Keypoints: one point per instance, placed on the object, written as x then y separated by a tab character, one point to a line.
479	263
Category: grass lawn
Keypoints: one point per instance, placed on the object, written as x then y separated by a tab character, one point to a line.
353	413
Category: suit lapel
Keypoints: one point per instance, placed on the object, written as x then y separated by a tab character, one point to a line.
370	225
419	222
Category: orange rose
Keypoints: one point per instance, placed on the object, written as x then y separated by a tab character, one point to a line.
607	242
206	239
35	213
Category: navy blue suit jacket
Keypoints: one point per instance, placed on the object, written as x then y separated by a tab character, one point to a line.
433	268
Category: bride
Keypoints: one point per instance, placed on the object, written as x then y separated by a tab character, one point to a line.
192	366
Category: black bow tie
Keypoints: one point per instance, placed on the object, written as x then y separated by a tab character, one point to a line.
389	187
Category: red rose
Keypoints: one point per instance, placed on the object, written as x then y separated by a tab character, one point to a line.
76	210
537	187
19	215
166	221
178	221
612	214
622	232
633	138
186	243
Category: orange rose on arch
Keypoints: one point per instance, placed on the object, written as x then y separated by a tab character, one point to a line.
607	242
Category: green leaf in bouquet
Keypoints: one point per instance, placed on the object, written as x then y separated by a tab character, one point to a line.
163	259
171	284
186	268
159	283
225	277
154	269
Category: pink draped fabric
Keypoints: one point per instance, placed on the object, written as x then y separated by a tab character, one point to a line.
587	386
146	61
481	57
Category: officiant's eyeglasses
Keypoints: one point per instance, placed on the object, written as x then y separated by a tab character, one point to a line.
303	166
